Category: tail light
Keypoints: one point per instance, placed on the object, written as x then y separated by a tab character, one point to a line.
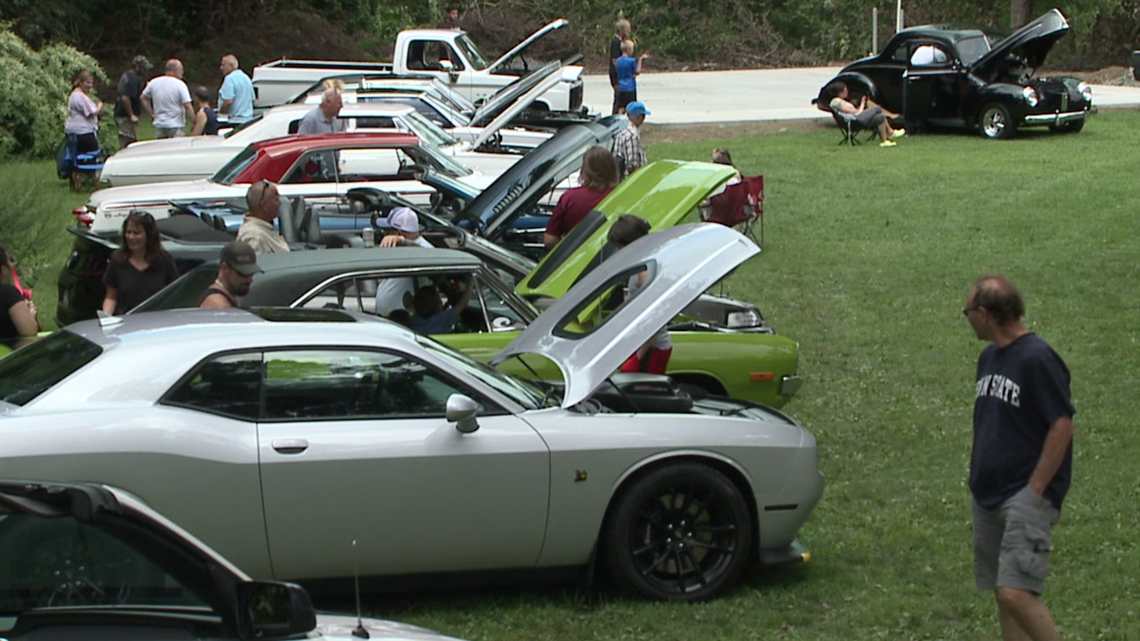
83	217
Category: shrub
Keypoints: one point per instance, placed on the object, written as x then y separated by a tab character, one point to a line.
34	86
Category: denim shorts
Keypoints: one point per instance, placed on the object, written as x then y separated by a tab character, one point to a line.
1012	543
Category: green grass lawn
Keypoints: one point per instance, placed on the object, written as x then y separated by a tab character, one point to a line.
868	257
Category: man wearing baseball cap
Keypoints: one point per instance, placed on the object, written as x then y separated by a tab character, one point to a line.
406	225
628	150
394	294
235	275
128	100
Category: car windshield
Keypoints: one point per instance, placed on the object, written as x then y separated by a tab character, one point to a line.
33	370
243	125
516	389
54	562
428	131
474	56
970	49
444	163
229	172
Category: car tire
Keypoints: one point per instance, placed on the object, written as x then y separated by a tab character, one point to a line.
996	123
680	533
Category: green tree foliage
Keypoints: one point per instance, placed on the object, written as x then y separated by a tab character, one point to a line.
34	87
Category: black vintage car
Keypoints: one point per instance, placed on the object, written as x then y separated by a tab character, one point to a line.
950	77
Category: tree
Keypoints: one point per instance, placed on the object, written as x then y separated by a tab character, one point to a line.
1020	13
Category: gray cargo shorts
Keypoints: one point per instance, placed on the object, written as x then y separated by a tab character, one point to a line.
1012	543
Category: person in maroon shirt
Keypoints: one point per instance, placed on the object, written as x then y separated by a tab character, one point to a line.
598	178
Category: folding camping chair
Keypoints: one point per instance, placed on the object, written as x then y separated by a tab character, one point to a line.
740	205
70	162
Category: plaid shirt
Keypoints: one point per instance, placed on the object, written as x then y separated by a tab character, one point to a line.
628	150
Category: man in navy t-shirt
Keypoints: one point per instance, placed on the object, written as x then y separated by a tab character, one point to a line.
1022	458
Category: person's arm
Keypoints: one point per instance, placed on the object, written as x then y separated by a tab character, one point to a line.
189	111
147	106
199	123
110	300
1052	455
549	240
24	321
226	104
637	69
98	107
393	240
466	297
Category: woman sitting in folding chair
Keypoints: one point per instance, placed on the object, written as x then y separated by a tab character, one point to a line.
872	116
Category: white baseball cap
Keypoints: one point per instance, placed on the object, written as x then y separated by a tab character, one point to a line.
405	220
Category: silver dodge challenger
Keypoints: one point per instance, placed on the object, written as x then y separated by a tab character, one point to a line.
280	437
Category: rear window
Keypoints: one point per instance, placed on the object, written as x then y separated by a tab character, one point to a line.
33	370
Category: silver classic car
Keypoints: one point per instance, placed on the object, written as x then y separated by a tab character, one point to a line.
280	436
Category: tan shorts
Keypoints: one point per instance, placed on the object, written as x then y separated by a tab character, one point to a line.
1012	543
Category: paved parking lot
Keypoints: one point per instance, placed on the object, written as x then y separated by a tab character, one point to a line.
756	94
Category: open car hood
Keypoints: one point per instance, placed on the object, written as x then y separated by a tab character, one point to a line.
682	262
663	193
506	96
507	111
531	39
1031	43
519	189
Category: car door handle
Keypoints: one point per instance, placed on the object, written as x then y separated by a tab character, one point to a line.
291	445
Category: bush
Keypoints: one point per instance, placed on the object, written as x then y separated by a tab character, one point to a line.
34	87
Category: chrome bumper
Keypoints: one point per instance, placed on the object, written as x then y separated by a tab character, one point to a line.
789	385
1055	119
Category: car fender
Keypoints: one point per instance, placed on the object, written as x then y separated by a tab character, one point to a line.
1007	94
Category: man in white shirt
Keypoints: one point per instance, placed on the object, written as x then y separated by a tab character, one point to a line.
167	99
396	293
257	226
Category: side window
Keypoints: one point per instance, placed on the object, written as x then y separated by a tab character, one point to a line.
361	165
343	385
372	123
928	55
498	315
351	294
229	385
313	167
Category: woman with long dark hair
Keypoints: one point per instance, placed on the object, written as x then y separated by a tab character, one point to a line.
597	179
139	267
17	316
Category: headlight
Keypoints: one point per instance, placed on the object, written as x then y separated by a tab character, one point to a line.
747	318
1086	91
1030	95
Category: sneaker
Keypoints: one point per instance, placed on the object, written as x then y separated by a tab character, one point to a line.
888	143
899	133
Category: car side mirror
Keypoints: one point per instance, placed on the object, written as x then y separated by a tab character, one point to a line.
446	66
462	410
274	610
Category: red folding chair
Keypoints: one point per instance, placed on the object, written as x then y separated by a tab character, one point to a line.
740	204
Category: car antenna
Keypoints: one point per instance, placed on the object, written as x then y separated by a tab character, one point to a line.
359	632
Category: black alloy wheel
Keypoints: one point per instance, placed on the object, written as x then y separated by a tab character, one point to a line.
680	533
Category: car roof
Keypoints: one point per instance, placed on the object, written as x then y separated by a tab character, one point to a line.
941	32
216	330
298	143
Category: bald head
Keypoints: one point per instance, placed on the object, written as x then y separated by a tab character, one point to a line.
229	63
174	67
263	200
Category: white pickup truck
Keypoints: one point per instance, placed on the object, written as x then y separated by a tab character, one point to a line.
447	54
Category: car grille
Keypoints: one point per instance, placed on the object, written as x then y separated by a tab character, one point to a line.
576	97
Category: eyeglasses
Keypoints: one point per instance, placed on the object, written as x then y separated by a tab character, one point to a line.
966	310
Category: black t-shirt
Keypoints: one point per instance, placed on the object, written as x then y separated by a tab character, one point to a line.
132	286
132	85
1021	390
615	53
9	296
